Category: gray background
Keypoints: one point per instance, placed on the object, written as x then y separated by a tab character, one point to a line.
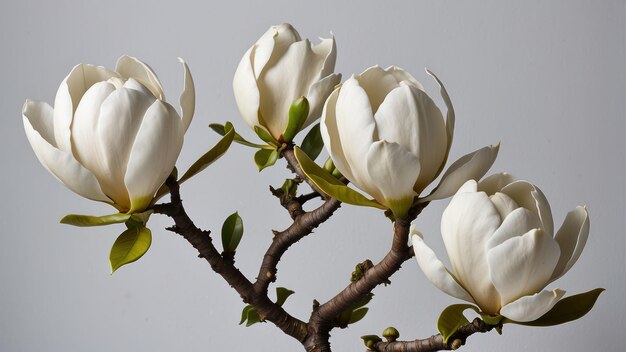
546	78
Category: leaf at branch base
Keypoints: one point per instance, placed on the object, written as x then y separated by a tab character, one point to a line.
265	136
452	318
131	245
250	316
213	154
265	158
232	231
330	185
88	220
568	309
357	315
313	144
238	138
282	294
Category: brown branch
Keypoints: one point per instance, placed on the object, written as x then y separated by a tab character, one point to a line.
435	342
202	241
294	166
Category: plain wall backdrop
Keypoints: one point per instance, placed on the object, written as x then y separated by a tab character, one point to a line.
546	78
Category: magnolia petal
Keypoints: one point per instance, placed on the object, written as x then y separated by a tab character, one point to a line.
154	153
517	223
505	205
187	97
422	130
466	225
530	197
131	67
317	95
273	45
571	237
494	183
450	119
332	139
470	166
435	271
393	170
327	49
378	82
246	90
356	129
522	265
38	123
69	94
529	308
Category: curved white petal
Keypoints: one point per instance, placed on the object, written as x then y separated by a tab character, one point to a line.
529	308
470	166
272	46
378	82
504	204
409	117
517	223
318	94
522	265
450	119
466	225
356	129
38	124
246	90
530	197
131	67
69	94
435	271
571	237
154	153
494	183
393	171
327	49
187	97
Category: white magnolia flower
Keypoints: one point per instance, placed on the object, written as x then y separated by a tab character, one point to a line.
111	136
503	251
387	136
279	68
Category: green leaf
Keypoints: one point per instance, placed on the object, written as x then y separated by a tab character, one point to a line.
452	318
357	315
129	246
265	136
313	143
249	315
370	340
232	231
213	154
565	310
298	113
363	301
244	313
282	294
289	187
265	158
330	185
88	220
238	138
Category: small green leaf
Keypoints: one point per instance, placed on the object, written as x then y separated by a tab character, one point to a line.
249	315
213	154
452	318
289	187
265	158
363	301
330	185
565	310
88	220
232	231
298	113
139	219
265	136
357	315
244	313
370	340
282	294
313	143
131	245
237	139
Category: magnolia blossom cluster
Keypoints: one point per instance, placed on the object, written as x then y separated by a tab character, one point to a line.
113	137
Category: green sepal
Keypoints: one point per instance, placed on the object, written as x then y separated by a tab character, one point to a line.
220	129
139	219
266	136
131	245
313	143
330	185
213	154
265	158
232	231
298	113
282	294
452	318
568	309
249	315
88	220
370	340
